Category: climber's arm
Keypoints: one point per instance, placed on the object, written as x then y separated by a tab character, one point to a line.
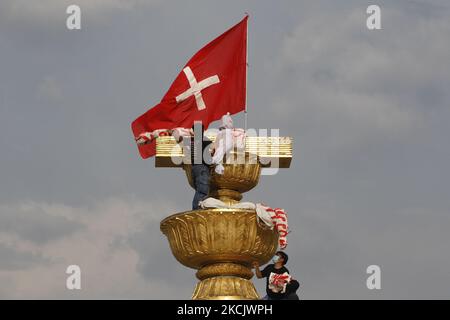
257	271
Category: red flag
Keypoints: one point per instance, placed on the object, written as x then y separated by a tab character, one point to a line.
211	84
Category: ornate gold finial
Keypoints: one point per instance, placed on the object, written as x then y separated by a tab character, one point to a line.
222	243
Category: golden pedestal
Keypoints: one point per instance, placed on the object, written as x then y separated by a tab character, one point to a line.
221	244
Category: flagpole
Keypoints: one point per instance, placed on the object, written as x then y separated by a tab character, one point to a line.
246	78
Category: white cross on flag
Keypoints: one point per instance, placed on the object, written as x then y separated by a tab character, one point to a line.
196	88
212	83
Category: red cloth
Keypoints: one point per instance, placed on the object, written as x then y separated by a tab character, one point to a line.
217	85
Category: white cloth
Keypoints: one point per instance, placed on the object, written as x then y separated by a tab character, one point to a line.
177	133
277	220
147	137
222	145
239	138
227	121
264	215
226	140
216	203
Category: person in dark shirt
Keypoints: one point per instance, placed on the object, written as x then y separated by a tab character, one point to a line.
279	289
200	159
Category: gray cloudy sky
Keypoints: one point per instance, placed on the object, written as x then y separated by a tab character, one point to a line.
369	112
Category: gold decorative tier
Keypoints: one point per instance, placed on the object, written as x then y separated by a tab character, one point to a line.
236	179
269	150
221	244
225	288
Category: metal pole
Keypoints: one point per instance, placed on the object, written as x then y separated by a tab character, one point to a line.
246	78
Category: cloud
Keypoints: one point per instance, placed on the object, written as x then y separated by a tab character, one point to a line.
22	10
36	222
337	241
110	268
347	84
12	259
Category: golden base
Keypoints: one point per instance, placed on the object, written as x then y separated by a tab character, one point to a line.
225	288
221	244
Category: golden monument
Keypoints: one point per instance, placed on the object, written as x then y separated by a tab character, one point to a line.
222	243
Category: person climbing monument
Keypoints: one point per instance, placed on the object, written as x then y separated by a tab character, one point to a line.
279	284
200	160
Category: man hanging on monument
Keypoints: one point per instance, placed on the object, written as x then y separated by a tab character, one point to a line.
200	158
279	284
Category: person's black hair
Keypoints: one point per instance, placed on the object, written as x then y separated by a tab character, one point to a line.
283	255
